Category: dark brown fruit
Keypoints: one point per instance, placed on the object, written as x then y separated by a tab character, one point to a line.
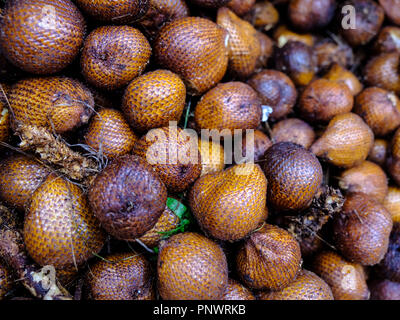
191	267
283	35
392	203
154	99
344	277
121	276
275	90
20	176
323	99
378	152
254	146
196	49
229	205
293	130
56	103
384	290
241	7
229	106
173	154
339	74
392	10
4	118
361	231
113	56
115	11
389	267
306	15
267	48
380	109
109	134
236	291
369	19
210	4
269	259
307	286
6	283
59	227
388	40
263	15
128	197
41	36
329	52
294	176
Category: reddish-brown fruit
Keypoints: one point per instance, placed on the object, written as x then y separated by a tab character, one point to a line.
56	103
263	15
378	152
306	15
241	7
392	203
229	205
115	11
5	281
20	176
323	99
254	146
344	277
210	4
196	49
298	60
267	48
42	36
236	291
114	55
128	197
346	141
393	157
269	259
174	155
306	286
329	52
383	71
361	231
367	178
276	90
294	176
59	227
380	109
389	267
244	46
191	267
368	21
4	118
153	100
212	156
388	40
229	106
384	290
338	74
283	35
293	130
121	276
109	134
392	10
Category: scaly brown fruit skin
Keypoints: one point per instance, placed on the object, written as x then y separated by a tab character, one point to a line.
121	276
196	49
293	130
20	176
384	290
229	106
191	267
392	10
128	197
41	36
389	267
388	40
59	104
179	169
210	4
269	259
393	157
294	176
276	90
263	15
115	11
59	227
367	178
229	205
323	99
338	74
344	278
241	7
346	141
4	119
369	19
6	283
306	286
236	291
283	35
378	152
392	203
261	144
112	56
212	156
383	71
380	109
244	46
153	100
109	134
361	231
267	49
329	53
306	15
